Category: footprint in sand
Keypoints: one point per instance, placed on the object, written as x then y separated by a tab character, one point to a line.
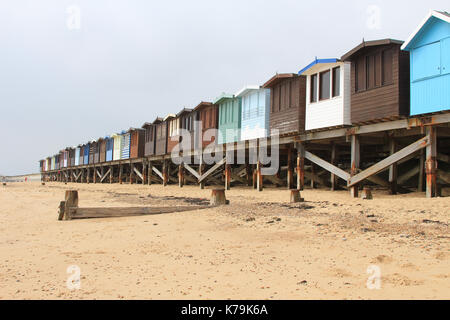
382	259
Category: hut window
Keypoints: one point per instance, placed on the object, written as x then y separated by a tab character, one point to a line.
360	83
387	67
371	71
336	82
314	88
324	84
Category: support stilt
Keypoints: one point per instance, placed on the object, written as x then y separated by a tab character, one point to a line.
355	159
431	163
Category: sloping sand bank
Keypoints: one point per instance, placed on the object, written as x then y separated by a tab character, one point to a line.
259	247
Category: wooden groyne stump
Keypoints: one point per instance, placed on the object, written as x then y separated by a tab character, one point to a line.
218	197
71	201
296	197
366	194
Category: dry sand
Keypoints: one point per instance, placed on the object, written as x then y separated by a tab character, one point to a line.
258	247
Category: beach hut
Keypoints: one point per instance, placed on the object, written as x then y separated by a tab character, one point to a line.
150	136
255	113
117	148
137	142
62	160
173	138
125	145
109	144
161	138
92	152
101	150
207	115
77	155
287	103
87	150
187	118
72	156
328	92
53	163
48	163
379	80
229	118
429	47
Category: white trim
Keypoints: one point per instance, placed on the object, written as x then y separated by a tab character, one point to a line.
432	13
245	90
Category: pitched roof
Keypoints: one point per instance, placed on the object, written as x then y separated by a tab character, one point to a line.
185	110
223	96
366	44
203	105
442	15
315	62
245	90
278	78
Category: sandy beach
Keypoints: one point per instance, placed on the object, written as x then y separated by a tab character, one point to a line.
258	247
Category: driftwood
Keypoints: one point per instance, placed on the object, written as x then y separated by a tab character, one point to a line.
69	210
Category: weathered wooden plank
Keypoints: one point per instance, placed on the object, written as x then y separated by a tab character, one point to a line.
192	171
408	175
212	169
138	173
85	213
327	166
155	170
420	144
443	157
105	175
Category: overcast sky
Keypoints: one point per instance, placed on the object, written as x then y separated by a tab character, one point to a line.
72	71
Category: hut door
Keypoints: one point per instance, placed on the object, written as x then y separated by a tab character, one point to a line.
427	61
445	56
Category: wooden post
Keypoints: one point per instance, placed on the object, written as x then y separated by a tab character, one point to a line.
111	174
290	173
421	170
71	201
259	177
165	173
249	174
95	174
366	194
88	177
355	162
180	175
149	175
120	173
393	172
201	169
227	176
218	197
131	173
313	173
300	166
431	163
296	197
333	178
144	172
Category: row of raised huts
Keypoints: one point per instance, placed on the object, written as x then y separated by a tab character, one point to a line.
375	81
